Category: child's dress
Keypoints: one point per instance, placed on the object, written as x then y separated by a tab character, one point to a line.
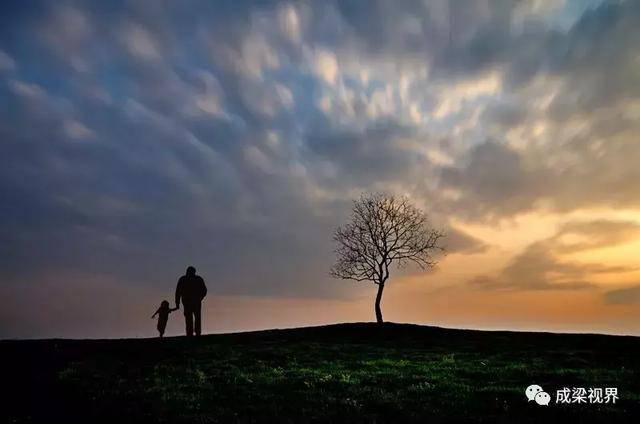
163	316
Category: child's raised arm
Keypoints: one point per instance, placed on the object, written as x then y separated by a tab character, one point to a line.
173	309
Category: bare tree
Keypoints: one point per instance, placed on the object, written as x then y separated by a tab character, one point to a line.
383	230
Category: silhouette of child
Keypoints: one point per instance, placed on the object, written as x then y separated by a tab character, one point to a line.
163	316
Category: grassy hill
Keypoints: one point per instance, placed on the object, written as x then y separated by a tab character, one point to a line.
338	373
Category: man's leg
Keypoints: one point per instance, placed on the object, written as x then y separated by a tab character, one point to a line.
188	320
197	315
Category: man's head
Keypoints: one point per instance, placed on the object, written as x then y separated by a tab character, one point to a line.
191	271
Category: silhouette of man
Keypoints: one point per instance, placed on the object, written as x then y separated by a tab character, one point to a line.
191	290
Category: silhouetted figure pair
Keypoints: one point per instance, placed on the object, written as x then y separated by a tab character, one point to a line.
163	316
191	290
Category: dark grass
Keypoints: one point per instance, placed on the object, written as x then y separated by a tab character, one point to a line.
339	373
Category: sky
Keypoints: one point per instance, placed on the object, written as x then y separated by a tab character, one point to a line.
138	137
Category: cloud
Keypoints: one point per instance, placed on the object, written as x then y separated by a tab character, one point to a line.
139	42
625	296
492	180
233	135
358	157
76	130
540	266
578	236
460	242
208	95
25	89
453	96
289	22
562	119
6	62
326	66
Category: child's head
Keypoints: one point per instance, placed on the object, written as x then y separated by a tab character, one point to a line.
164	304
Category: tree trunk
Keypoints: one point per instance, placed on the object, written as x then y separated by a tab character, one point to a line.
378	299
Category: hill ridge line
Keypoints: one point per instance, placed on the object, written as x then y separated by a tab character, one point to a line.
346	326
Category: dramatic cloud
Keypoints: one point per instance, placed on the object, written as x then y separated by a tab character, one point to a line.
629	295
459	242
140	137
541	266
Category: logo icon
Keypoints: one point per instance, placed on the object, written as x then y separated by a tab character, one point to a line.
542	398
537	394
